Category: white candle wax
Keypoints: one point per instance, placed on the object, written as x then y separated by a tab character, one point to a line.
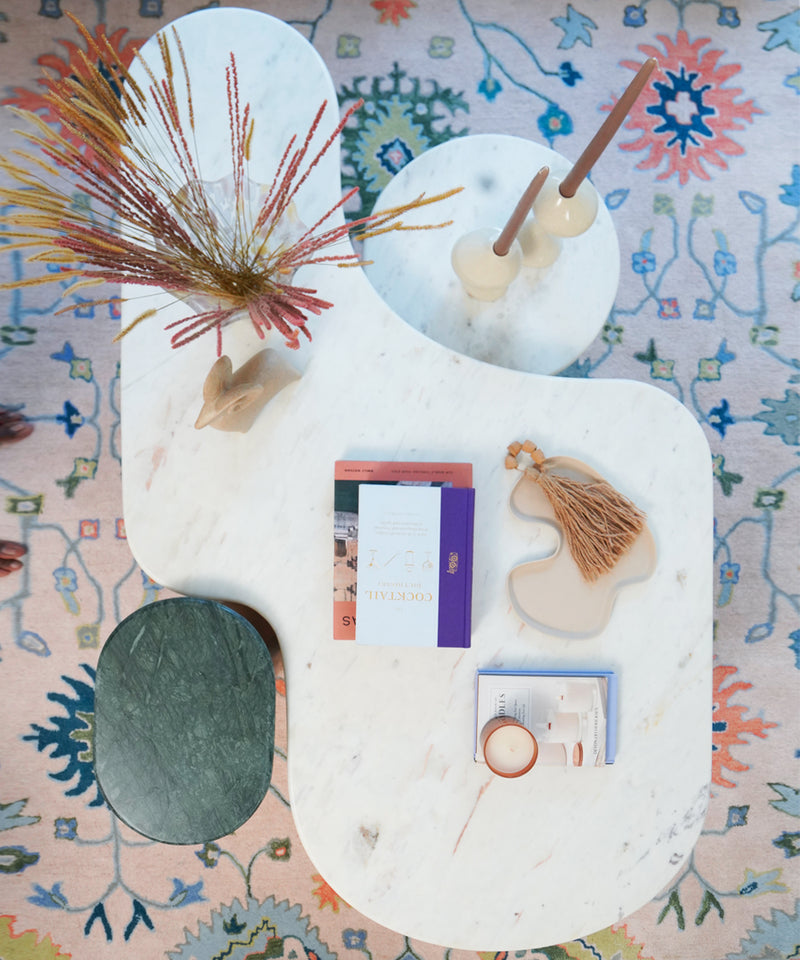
509	748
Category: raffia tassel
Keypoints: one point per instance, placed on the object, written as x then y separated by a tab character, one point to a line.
600	524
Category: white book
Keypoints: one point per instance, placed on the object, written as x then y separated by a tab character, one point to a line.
398	565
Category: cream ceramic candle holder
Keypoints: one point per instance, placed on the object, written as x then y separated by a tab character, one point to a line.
483	274
566	216
568	207
554	217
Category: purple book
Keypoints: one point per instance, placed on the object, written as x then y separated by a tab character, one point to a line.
455	566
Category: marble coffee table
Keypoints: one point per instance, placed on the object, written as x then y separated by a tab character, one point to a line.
388	801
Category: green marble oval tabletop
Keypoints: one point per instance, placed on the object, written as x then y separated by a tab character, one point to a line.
184	720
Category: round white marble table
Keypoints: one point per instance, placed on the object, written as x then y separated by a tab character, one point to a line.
548	315
388	801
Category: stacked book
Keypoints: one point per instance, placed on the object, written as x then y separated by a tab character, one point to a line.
403	553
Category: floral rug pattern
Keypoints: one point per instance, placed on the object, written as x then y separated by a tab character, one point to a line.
703	182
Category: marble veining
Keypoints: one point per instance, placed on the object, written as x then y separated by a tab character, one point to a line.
184	720
388	801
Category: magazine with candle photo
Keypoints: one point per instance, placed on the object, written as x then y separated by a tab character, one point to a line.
525	719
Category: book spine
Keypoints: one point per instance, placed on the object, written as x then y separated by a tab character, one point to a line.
611	719
455	567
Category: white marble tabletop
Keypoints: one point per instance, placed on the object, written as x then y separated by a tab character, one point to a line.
388	800
549	315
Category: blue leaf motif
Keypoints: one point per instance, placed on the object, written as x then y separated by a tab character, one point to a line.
66	353
33	643
11	815
722	240
791	191
183	893
784	30
616	198
724	355
752	201
790	799
52	899
576	27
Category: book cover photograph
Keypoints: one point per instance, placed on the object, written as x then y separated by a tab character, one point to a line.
570	718
403	553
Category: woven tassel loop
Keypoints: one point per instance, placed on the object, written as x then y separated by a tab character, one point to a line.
600	524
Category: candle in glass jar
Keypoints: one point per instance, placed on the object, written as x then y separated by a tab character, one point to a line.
509	748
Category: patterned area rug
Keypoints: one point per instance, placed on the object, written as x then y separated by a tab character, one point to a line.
704	186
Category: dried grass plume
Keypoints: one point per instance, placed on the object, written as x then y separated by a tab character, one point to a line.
153	221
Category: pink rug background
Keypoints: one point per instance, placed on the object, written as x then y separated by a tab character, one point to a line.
707	310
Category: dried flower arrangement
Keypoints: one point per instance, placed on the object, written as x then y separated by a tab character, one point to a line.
158	223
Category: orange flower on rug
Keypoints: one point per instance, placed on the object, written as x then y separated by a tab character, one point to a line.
325	894
394	10
729	726
685	116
